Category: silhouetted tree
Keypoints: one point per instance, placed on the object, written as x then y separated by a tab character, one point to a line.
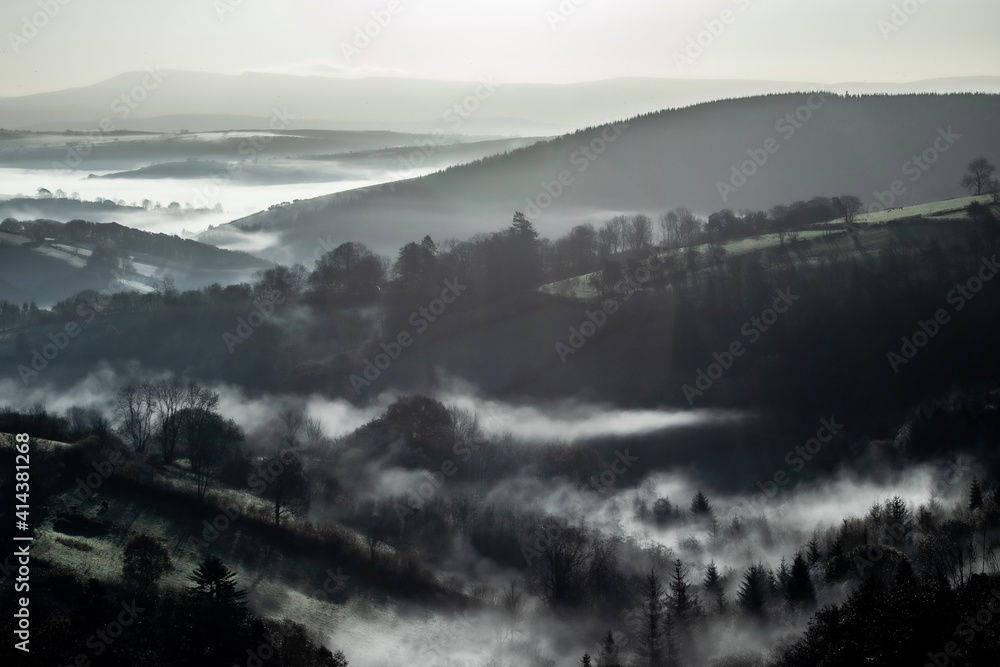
754	592
700	505
217	612
848	207
714	589
169	394
135	409
610	655
975	495
800	591
978	176
284	484
145	559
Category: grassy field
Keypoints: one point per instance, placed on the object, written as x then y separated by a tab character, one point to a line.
281	578
827	241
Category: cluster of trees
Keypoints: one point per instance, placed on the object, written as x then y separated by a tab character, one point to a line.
147	204
183	418
928	559
671	614
13	316
138	622
915	577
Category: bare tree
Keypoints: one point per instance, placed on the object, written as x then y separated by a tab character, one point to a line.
209	439
285	484
667	229
978	176
169	395
135	409
683	225
292	419
638	233
849	207
512	608
609	237
314	435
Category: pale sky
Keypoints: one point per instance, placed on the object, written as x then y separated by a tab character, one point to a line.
87	41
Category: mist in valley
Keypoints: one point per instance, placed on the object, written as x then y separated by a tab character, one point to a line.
544	335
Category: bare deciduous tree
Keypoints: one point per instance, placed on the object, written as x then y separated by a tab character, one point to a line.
169	395
135	409
849	207
638	233
978	176
284	484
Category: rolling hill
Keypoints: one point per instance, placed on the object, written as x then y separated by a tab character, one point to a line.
815	145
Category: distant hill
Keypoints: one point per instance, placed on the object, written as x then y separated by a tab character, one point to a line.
663	160
204	101
45	261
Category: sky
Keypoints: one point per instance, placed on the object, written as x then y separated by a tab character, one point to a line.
56	44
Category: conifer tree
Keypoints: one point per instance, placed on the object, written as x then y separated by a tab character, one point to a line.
975	495
714	589
800	590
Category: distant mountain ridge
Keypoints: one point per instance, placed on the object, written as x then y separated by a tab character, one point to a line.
199	101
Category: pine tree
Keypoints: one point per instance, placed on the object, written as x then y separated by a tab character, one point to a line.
428	244
217	612
585	660
784	574
610	653
683	604
714	589
700	505
754	591
975	496
714	530
836	564
214	587
800	590
814	554
653	626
